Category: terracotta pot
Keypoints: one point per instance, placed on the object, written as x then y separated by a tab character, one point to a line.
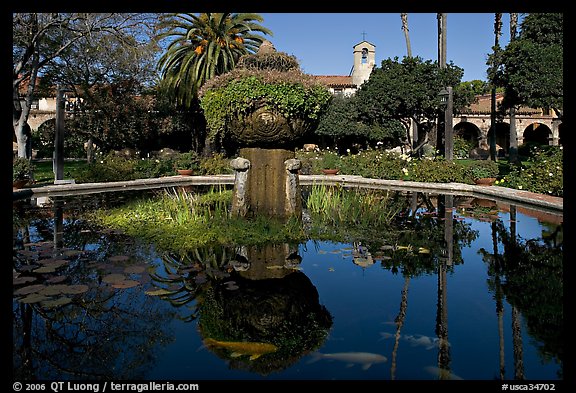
485	181
17	184
330	171
185	172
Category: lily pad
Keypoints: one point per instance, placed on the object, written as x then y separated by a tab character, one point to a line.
22	280
34	298
29	289
125	284
52	290
114	278
57	263
56	279
45	269
28	268
136	269
158	292
71	253
56	302
119	258
75	289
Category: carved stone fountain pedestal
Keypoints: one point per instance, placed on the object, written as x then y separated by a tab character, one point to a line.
266	182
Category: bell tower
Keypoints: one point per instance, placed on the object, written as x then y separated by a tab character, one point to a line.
364	62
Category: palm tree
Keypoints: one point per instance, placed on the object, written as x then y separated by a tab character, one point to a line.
404	18
414	126
204	46
492	133
513	148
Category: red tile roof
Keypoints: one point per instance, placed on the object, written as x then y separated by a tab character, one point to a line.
336	80
484	105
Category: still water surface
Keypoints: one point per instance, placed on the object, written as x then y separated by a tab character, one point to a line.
94	304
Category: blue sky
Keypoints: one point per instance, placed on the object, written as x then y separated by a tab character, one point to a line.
323	42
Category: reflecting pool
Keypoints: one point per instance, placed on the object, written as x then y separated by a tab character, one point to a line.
460	288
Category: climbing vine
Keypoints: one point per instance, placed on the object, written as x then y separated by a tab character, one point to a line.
234	95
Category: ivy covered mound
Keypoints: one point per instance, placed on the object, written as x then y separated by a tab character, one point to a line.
266	101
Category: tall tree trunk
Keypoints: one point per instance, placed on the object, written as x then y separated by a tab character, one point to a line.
492	132
413	124
513	143
441	40
404	18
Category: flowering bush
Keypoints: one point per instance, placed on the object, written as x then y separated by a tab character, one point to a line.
541	173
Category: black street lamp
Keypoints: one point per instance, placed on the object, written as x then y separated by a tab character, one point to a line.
446	103
58	158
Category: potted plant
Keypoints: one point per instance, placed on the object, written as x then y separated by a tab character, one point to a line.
186	163
330	163
483	172
22	169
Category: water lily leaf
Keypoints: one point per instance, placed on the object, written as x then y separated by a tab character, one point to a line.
56	302
28	253
75	289
158	292
136	269
29	289
125	284
71	253
45	269
119	258
56	279
114	278
57	263
34	298
28	268
52	290
23	280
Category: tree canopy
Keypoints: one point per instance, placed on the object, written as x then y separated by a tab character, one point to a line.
399	91
532	65
204	46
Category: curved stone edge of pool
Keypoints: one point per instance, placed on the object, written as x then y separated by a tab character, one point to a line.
496	192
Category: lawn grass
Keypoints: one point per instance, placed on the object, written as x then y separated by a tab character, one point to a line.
44	173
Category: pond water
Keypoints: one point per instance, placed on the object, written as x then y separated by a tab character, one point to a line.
464	288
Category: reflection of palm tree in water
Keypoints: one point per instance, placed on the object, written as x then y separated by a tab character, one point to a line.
399	323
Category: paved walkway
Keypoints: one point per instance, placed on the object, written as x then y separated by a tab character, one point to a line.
508	195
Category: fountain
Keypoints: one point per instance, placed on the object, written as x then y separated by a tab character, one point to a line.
264	106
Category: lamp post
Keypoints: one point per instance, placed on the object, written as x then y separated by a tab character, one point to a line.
58	158
446	103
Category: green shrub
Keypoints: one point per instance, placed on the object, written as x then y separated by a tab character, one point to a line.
542	172
217	164
479	169
107	169
22	169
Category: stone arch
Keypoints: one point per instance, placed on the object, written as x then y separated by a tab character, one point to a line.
468	131
502	137
538	133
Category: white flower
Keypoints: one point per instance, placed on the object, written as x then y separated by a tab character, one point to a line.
550	174
101	162
519	187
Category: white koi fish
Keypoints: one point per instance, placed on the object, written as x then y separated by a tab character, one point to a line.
416	340
441	373
365	359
